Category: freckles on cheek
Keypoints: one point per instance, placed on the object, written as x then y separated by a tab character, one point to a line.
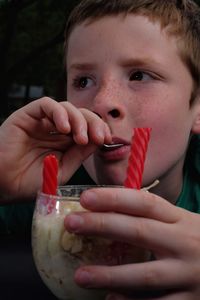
143	108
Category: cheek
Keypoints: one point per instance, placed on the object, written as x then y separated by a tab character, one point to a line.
169	137
169	117
79	102
161	110
169	127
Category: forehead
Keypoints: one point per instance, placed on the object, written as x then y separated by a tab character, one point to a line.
119	34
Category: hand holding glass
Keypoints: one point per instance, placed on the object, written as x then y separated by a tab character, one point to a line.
58	253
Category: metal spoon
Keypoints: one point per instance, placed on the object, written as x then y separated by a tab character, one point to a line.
110	146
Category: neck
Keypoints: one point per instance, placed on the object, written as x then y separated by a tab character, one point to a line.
170	186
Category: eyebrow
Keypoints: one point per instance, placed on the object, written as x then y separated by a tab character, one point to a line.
82	66
139	62
132	62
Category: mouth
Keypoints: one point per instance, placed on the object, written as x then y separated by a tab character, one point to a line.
117	150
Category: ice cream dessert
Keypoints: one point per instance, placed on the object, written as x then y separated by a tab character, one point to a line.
58	253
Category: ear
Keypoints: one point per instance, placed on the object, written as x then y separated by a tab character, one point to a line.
196	124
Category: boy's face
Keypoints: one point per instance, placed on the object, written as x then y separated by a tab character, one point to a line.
129	72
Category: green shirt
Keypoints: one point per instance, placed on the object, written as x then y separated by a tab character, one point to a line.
18	217
190	195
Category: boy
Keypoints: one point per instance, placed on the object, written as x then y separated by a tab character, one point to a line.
129	64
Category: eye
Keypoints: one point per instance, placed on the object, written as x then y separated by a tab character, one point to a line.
139	76
82	82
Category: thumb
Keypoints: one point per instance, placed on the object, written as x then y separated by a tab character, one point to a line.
73	159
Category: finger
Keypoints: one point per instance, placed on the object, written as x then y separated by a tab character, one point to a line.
86	125
78	123
98	130
131	202
45	107
148	276
134	296
138	231
63	115
173	295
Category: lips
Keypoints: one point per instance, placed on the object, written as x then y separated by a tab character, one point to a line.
117	150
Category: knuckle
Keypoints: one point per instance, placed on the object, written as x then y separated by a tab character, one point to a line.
110	280
115	200
86	113
101	224
150	278
150	202
140	230
83	110
194	274
66	105
46	99
118	199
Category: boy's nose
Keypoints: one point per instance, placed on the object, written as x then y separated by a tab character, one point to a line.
109	106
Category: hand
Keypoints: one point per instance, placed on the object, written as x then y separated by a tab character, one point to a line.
147	221
25	140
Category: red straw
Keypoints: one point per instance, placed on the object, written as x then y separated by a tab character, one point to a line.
137	157
50	174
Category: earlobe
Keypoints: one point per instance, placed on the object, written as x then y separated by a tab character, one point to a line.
196	124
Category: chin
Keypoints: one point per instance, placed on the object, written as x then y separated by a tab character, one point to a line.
111	179
106	173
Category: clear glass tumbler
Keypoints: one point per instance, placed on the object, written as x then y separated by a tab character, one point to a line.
58	253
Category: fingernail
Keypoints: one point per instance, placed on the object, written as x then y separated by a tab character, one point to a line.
88	198
83	278
74	222
83	133
65	125
100	135
82	137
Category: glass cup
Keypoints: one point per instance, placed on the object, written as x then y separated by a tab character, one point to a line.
58	253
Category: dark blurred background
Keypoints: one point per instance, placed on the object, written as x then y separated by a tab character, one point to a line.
31	51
